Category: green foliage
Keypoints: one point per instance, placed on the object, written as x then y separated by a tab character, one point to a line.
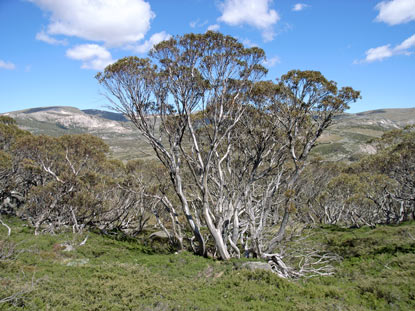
5	161
377	189
7	120
66	181
377	272
9	133
215	111
9	180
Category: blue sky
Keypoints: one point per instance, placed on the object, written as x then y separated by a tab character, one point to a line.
50	50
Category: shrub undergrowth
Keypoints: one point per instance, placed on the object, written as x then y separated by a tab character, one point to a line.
377	273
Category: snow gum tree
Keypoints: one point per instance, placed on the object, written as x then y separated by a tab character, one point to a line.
233	144
11	185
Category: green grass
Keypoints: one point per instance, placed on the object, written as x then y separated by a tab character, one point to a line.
330	149
377	273
373	130
47	128
357	137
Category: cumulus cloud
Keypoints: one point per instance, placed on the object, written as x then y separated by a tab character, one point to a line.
396	11
299	7
148	44
214	27
113	22
7	65
255	13
43	36
385	51
271	62
92	56
379	53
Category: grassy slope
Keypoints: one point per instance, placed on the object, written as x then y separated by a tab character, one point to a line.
348	135
377	273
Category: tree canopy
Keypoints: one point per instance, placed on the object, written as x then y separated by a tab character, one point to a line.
233	144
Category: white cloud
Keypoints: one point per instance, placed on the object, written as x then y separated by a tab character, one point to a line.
385	51
396	11
113	22
268	35
43	36
407	44
214	27
7	65
148	44
255	13
271	62
379	53
92	56
197	23
299	7
249	43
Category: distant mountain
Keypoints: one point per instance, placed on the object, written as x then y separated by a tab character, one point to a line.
347	138
112	127
69	119
113	116
349	134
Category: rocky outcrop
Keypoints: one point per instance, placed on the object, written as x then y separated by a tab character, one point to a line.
257	265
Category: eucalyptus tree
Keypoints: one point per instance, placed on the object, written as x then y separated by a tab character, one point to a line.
9	133
11	183
228	139
272	143
59	171
68	180
394	161
209	74
378	189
